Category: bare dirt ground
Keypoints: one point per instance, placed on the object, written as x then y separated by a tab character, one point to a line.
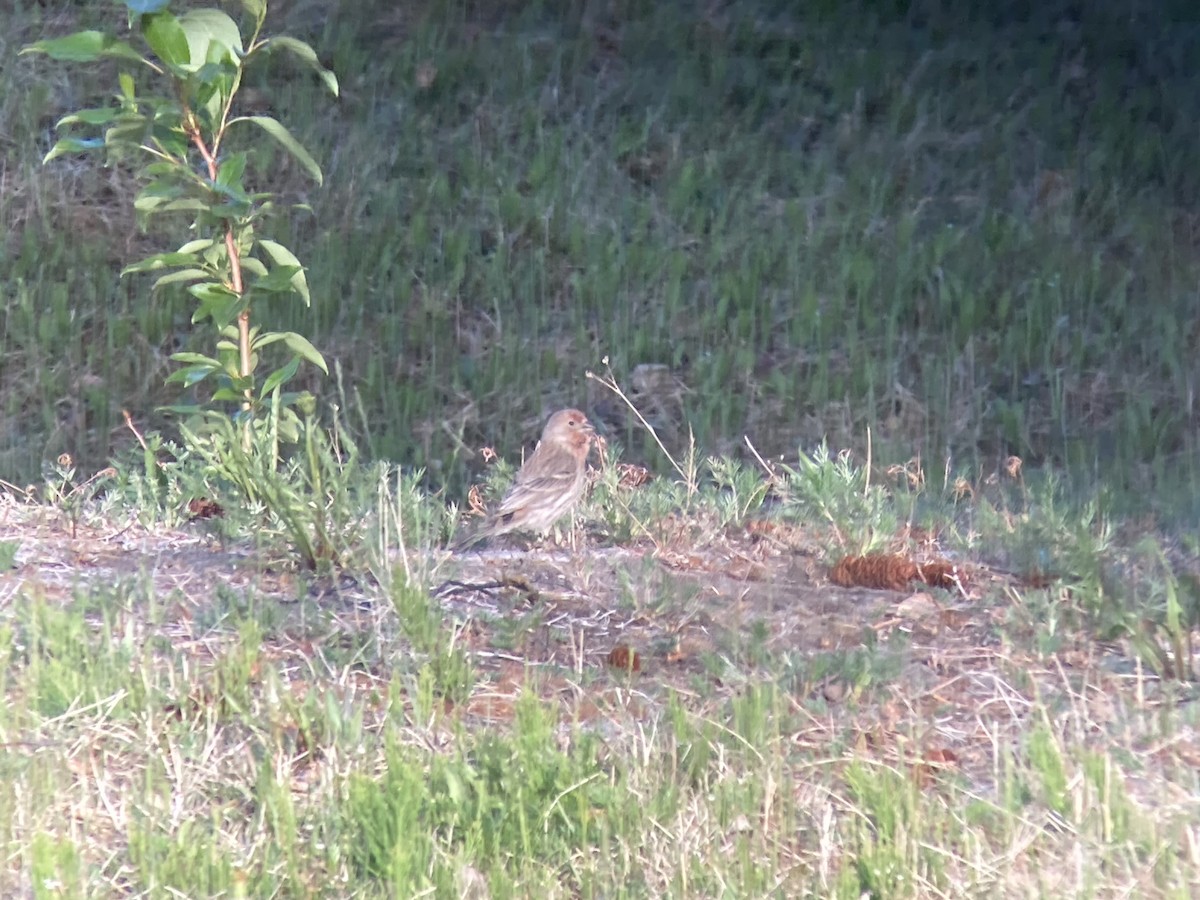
923	677
934	679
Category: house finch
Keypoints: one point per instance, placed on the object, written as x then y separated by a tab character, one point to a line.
548	485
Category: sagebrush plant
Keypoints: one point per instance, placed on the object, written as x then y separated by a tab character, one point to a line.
741	490
832	489
65	494
174	114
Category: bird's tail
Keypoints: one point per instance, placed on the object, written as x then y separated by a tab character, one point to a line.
468	539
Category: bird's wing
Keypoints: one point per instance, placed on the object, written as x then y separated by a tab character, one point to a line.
550	476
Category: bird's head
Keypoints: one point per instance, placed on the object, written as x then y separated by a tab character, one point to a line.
569	427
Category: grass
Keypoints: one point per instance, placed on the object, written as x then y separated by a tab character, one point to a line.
695	711
950	253
856	218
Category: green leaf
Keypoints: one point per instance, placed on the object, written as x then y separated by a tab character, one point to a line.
128	89
300	345
236	197
212	36
271	337
189	376
181	275
215	77
231	170
159	168
254	267
238	382
282	256
284	137
282	375
195	359
217	255
159	261
196	246
189	204
71	146
278	281
210	86
155	194
121	50
304	54
84	46
211	290
166	38
168	116
128	130
200	367
229	210
167	132
162	187
216	302
100	116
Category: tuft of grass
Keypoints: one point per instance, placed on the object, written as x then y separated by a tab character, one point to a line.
518	807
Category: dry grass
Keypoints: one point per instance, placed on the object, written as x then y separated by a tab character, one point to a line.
912	743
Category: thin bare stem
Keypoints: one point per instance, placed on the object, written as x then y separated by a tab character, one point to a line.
235	259
610	382
772	475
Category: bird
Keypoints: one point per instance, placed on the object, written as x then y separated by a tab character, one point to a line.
547	486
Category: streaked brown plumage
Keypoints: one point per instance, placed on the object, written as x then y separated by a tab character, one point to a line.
548	485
